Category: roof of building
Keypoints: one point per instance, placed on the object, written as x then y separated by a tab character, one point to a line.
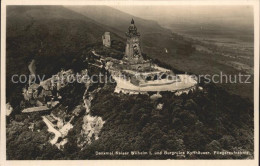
35	109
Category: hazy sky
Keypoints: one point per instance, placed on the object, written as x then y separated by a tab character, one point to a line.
241	15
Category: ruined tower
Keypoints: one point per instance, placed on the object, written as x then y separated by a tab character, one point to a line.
106	39
133	50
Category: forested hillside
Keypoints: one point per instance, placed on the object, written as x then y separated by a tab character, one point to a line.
206	121
52	35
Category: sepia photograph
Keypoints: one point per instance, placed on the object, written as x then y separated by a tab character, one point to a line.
129	81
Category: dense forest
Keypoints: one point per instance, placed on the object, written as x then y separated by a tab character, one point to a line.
209	120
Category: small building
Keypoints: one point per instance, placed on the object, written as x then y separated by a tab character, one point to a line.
106	39
36	109
51	119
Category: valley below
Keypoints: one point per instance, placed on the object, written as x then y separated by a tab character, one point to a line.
214	55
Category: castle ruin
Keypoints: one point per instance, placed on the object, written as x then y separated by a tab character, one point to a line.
106	39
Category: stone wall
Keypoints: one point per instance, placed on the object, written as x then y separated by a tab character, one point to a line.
139	66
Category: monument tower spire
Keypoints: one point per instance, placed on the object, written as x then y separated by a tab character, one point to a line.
132	22
133	50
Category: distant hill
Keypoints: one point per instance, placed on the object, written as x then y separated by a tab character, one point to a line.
48	25
154	38
115	18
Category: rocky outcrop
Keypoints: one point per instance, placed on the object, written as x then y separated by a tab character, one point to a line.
9	109
92	125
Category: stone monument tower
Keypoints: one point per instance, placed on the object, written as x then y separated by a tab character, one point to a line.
133	50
